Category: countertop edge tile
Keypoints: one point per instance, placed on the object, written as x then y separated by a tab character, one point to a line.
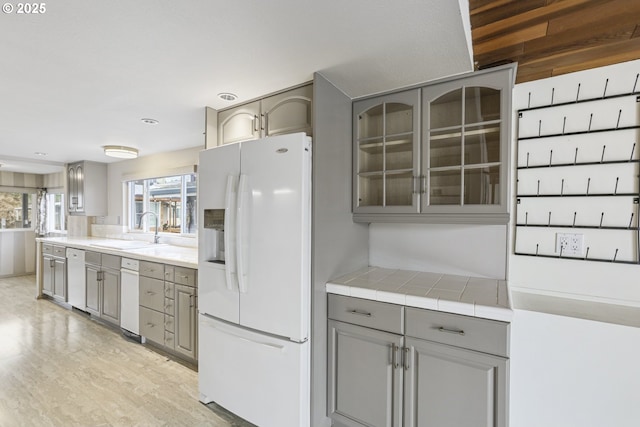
479	294
422	302
334	288
456	307
392	297
365	293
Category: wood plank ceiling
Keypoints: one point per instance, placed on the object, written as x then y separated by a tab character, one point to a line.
552	37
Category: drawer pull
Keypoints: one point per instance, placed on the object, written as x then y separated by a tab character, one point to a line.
451	331
150	293
359	313
151	325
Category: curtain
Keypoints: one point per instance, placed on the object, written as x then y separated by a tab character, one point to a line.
41	216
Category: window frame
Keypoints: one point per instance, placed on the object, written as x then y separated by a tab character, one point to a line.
148	221
32	196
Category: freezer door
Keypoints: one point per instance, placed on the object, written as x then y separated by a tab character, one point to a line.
273	235
218	173
262	379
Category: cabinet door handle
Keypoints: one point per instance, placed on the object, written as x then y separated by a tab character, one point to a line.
423	181
265	123
191	301
394	356
405	359
150	293
359	313
451	331
151	325
256	119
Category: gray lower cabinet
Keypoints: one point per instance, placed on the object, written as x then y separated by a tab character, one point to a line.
365	386
391	365
102	272
54	271
450	386
186	318
168	307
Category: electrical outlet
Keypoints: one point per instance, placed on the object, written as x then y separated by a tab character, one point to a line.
570	244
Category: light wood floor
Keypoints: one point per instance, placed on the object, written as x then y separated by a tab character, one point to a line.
60	368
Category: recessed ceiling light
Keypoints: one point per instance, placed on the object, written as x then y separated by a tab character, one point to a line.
39	153
120	151
226	96
150	121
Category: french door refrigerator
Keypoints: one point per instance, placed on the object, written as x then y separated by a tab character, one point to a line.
254	279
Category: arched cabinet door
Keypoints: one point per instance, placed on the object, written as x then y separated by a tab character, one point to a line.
239	124
386	144
288	112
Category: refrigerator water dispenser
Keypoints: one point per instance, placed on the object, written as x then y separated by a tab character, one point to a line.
213	239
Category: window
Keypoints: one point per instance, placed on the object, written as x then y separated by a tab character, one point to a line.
16	210
172	199
55	212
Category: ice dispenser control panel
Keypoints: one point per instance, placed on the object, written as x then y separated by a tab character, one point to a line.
213	239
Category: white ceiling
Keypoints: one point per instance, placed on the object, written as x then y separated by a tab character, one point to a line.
83	74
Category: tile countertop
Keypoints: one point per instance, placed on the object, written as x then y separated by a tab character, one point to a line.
168	254
470	296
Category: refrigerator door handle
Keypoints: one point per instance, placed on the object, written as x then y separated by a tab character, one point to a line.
230	262
261	343
240	230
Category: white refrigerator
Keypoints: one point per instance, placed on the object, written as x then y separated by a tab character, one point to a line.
254	279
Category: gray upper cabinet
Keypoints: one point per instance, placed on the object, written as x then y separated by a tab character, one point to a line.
87	188
385	158
282	113
288	112
238	124
459	169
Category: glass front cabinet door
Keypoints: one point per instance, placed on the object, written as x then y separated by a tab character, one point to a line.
438	153
386	143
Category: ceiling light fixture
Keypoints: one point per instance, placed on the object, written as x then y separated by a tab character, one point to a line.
120	151
150	121
226	96
40	153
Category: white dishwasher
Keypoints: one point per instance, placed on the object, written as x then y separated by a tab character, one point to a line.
129	298
76	279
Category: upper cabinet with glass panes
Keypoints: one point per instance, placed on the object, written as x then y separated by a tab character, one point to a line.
386	135
448	163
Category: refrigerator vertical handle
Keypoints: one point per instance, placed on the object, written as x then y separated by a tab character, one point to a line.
240	225
230	264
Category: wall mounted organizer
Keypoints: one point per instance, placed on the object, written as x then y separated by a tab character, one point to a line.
578	172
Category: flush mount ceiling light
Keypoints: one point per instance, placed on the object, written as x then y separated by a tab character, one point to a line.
150	121
226	96
39	153
120	151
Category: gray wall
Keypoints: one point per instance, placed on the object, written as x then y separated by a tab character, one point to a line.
339	245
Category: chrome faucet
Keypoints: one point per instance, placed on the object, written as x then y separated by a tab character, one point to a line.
156	238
